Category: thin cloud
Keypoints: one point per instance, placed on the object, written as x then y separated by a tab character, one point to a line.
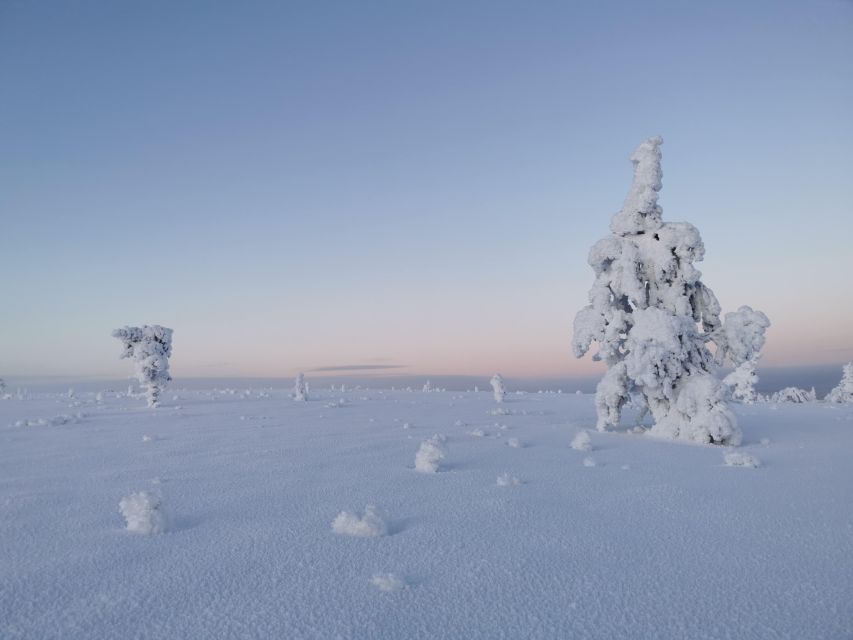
359	367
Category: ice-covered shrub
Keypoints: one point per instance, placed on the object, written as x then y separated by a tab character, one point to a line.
430	454
143	512
498	387
387	582
740	341
843	393
149	347
740	459
794	395
582	442
367	525
300	388
653	318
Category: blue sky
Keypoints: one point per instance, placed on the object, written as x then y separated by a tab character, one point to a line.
293	186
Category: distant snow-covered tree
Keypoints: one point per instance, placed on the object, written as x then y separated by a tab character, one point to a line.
653	318
300	388
794	395
497	383
2	385
149	346
740	340
427	386
843	393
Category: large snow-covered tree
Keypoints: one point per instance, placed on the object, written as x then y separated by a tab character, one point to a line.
654	319
149	346
843	393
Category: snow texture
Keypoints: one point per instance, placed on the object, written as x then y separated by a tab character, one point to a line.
843	393
149	347
653	319
430	454
367	525
498	387
143	513
676	546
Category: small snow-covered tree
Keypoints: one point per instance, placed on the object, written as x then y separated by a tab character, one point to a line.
300	388
427	386
497	383
794	395
653	318
2	385
843	393
740	340
149	346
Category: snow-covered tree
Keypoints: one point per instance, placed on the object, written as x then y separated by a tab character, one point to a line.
497	383
740	340
149	347
794	395
843	393
427	386
300	388
2	385
653	318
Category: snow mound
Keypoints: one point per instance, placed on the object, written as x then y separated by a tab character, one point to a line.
368	525
143	512
515	443
589	462
478	433
430	454
506	480
741	459
582	442
55	421
387	582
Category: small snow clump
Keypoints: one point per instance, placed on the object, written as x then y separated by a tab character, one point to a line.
143	512
368	525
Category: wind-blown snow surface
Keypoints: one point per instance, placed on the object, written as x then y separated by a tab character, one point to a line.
657	540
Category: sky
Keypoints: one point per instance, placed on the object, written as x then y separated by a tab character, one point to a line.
407	187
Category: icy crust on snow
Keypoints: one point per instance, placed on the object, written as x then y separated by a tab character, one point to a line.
653	319
656	540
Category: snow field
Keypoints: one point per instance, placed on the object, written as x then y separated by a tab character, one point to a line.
646	544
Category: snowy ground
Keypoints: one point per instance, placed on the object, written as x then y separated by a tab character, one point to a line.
634	539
